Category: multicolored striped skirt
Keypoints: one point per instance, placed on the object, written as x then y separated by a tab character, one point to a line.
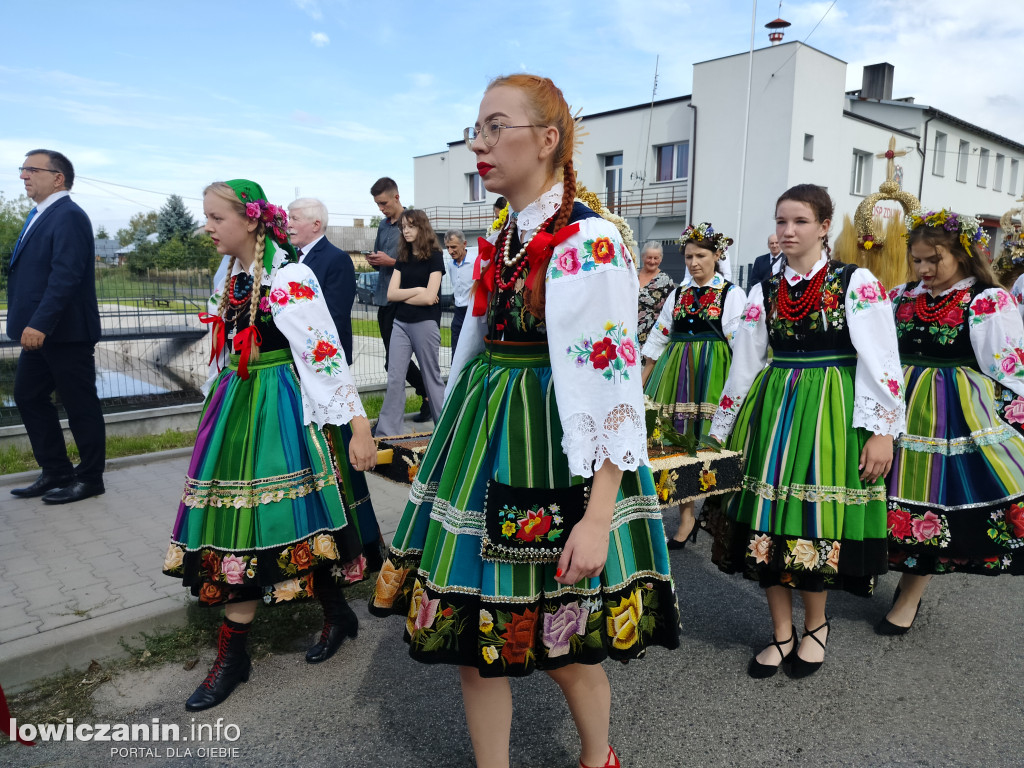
688	378
956	491
804	518
270	506
501	422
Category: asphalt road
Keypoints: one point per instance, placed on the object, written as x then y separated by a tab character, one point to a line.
948	694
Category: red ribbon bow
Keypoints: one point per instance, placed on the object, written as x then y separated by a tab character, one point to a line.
243	343
5	722
218	335
538	251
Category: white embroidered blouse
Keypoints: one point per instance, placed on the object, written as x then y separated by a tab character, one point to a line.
590	316
732	313
996	331
329	394
878	383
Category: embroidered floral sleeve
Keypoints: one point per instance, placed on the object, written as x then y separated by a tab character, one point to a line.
657	339
591	318
997	337
733	313
749	356
879	405
329	394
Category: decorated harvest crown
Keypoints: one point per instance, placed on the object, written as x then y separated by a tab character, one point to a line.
705	236
968	228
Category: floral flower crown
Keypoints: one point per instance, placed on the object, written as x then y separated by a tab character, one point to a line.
704	235
968	228
274	218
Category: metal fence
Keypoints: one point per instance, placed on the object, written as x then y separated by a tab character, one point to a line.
153	350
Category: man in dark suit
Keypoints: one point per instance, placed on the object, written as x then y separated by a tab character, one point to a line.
764	264
307	223
52	312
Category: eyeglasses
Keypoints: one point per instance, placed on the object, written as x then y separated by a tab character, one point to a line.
490	133
30	169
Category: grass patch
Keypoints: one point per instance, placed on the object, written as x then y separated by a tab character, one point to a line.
282	629
363	327
15	459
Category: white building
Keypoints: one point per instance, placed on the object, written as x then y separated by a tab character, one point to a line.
682	159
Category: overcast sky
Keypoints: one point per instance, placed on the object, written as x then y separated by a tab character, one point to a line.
325	96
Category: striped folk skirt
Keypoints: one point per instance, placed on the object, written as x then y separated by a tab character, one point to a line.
956	491
270	506
803	518
501	422
688	378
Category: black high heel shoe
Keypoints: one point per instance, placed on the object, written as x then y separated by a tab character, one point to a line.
803	668
760	671
691	536
888	629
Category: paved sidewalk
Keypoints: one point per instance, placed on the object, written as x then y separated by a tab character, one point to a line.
78	577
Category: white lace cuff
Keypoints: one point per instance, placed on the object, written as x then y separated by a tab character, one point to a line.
621	439
877	419
343	406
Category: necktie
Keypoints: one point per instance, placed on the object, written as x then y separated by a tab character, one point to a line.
17	245
300	254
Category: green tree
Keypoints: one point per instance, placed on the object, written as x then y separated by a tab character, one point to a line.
12	217
375	221
174	220
101	233
143	258
139	227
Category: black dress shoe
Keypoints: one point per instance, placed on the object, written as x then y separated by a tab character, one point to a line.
803	668
760	671
76	491
331	638
424	414
45	482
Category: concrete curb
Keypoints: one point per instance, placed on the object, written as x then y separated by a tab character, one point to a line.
112	464
73	646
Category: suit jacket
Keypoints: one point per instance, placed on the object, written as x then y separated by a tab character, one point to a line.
52	282
761	270
337	277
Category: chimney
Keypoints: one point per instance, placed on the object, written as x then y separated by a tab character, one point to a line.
776	28
877	82
357	222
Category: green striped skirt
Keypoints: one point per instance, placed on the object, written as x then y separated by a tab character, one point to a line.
687	380
501	422
270	506
803	518
956	490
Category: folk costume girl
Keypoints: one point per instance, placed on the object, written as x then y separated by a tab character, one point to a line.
688	353
273	509
956	492
504	562
816	427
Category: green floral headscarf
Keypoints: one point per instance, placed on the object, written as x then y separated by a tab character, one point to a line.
274	218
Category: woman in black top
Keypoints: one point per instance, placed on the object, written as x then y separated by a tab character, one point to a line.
415	285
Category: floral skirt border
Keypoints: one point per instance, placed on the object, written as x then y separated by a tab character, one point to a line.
811	565
275	574
512	639
980	540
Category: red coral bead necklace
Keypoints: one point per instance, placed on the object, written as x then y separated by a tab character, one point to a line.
939	309
790	309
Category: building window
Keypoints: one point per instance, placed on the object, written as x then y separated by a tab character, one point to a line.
983	156
1014	168
860	176
477	193
939	156
673	161
997	182
961	160
808	147
613	182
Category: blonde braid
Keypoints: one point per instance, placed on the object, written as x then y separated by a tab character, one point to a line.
222	305
257	285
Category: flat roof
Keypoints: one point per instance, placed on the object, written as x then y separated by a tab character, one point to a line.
767	47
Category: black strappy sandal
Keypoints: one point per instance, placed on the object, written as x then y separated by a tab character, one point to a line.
760	671
802	668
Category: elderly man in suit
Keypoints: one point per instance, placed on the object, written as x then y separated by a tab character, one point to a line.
764	265
307	223
52	312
